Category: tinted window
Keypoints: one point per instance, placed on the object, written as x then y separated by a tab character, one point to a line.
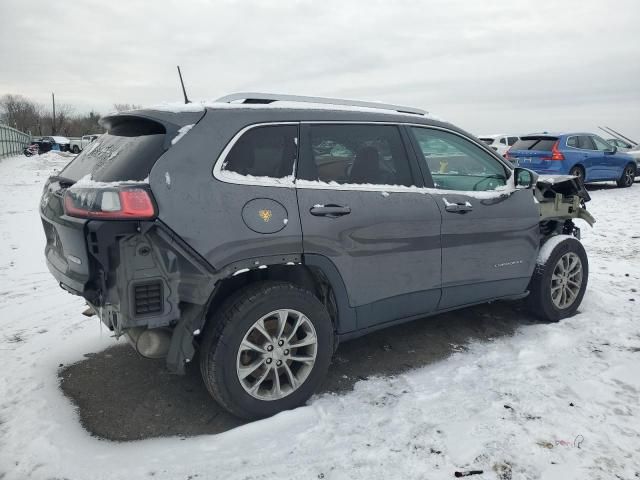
585	143
356	154
512	140
503	141
600	143
127	152
488	141
535	143
456	163
269	151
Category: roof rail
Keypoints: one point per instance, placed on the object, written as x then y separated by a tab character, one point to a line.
253	97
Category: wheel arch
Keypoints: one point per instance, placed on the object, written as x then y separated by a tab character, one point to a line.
314	273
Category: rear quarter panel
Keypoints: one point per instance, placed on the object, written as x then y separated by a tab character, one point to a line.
207	213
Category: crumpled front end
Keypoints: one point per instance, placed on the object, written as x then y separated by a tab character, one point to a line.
561	198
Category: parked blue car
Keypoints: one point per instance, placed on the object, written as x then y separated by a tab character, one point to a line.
583	155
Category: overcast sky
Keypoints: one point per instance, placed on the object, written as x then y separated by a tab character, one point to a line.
489	67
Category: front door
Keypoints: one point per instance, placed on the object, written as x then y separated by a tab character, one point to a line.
490	233
360	209
611	168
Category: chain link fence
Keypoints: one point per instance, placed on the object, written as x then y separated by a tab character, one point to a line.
12	141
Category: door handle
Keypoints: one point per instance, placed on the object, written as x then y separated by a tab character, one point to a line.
332	211
458	207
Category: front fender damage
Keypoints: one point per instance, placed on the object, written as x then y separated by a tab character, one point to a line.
562	197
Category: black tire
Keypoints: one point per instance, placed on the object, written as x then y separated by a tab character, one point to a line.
577	171
540	302
226	330
628	176
76	149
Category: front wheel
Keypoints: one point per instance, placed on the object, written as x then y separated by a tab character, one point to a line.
266	350
75	149
628	176
559	281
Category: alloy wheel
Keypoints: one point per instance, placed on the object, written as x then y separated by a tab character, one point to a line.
629	176
566	280
277	354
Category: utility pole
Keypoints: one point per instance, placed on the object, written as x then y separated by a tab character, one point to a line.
53	122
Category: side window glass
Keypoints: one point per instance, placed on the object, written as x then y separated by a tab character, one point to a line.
458	164
503	141
356	154
268	151
512	140
585	143
572	142
600	143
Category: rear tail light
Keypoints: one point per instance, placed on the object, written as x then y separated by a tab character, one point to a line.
555	153
122	203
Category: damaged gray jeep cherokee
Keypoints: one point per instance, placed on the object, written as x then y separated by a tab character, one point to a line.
261	230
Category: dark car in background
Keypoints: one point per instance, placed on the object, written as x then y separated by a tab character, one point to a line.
47	144
264	232
584	155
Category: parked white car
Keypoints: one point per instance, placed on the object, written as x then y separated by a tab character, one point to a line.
78	144
500	142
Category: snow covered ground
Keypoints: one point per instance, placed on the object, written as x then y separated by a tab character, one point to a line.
557	401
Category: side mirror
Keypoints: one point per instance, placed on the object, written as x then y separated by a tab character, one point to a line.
613	150
524	178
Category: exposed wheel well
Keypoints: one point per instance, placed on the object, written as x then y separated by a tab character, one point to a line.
308	277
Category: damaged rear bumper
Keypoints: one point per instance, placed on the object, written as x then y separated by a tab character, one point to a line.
141	280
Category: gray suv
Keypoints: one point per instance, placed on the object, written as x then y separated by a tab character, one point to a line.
262	230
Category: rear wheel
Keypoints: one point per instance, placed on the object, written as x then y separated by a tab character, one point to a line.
557	286
577	171
267	349
76	149
628	176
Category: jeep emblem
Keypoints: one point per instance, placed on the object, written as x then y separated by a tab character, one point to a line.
265	215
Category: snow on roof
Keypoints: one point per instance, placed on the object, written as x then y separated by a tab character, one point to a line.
61	140
495	135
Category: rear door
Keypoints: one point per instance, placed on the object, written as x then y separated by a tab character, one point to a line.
593	160
490	233
360	209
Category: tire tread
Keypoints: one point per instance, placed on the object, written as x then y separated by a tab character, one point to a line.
218	330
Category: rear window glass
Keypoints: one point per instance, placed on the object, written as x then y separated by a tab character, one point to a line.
264	152
535	143
127	152
488	141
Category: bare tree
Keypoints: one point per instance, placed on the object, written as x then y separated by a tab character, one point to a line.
20	113
31	117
